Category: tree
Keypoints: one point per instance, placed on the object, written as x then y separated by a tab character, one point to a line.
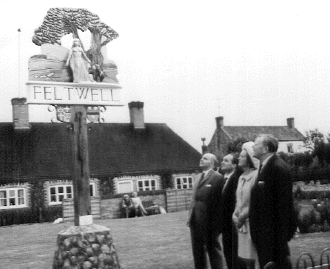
62	21
235	146
312	136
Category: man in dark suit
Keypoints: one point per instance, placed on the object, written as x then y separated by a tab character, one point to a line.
271	206
204	219
229	232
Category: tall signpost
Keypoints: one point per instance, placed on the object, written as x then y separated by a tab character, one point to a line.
85	245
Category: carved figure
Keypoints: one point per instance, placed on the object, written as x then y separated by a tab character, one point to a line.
78	62
62	21
98	74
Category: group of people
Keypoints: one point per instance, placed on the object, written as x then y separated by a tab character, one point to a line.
132	206
249	202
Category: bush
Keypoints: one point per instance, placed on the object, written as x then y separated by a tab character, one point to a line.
28	215
317	218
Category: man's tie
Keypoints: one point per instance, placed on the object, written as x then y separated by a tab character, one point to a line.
260	167
201	181
226	182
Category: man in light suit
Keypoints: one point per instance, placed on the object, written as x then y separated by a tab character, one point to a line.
271	208
204	219
229	232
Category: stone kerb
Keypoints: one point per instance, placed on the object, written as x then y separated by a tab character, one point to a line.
89	246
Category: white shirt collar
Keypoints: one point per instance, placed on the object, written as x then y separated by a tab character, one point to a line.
228	175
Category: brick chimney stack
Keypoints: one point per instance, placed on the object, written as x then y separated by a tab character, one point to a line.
290	122
136	114
20	114
219	122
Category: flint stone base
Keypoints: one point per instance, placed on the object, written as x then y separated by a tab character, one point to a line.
85	247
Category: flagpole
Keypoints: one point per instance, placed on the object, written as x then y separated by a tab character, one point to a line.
19	61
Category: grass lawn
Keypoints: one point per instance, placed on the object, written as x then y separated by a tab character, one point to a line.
154	242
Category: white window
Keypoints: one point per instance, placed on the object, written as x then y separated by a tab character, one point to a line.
183	182
12	198
59	192
125	186
146	184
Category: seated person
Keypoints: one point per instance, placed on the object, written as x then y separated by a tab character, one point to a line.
137	204
127	206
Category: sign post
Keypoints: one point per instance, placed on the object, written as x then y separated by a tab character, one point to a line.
78	83
80	97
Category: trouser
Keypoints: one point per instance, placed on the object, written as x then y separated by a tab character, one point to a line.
281	260
230	248
205	241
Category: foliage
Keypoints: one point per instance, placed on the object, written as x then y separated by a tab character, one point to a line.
311	137
62	21
316	218
28	215
236	145
166	180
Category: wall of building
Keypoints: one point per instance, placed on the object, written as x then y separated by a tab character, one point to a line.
296	146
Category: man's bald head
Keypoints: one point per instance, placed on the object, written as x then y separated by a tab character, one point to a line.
207	161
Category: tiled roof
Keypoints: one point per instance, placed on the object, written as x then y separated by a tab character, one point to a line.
114	148
282	133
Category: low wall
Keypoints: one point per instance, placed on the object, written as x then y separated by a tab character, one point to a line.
110	208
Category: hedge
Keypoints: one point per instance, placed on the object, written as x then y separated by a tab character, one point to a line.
28	215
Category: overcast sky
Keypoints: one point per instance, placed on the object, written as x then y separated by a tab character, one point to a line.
253	62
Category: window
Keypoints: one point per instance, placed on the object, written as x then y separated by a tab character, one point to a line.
147	185
290	147
12	198
184	182
125	186
60	192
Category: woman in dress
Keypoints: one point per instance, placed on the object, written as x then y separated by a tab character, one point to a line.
249	164
138	206
78	62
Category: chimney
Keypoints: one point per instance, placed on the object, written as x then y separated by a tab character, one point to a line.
136	114
20	114
219	122
290	122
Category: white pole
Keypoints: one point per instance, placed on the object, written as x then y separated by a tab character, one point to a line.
19	62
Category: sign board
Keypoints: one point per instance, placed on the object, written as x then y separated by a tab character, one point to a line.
66	93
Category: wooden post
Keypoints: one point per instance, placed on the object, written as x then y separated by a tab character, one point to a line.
80	163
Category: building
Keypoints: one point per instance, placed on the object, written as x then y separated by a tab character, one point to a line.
290	139
35	160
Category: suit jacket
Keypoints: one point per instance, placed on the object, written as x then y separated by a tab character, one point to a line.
271	207
206	201
229	200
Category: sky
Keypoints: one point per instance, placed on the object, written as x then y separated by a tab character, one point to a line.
252	62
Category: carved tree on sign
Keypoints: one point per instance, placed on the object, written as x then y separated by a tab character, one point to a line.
59	22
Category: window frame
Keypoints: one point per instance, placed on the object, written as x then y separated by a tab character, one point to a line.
189	184
8	197
143	180
91	184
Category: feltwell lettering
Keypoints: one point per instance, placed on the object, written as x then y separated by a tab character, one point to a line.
82	90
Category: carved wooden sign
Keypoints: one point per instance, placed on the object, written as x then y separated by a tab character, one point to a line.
104	94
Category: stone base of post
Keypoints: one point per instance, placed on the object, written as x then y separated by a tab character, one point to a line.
86	247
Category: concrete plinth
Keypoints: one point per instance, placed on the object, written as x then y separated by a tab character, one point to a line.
86	247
